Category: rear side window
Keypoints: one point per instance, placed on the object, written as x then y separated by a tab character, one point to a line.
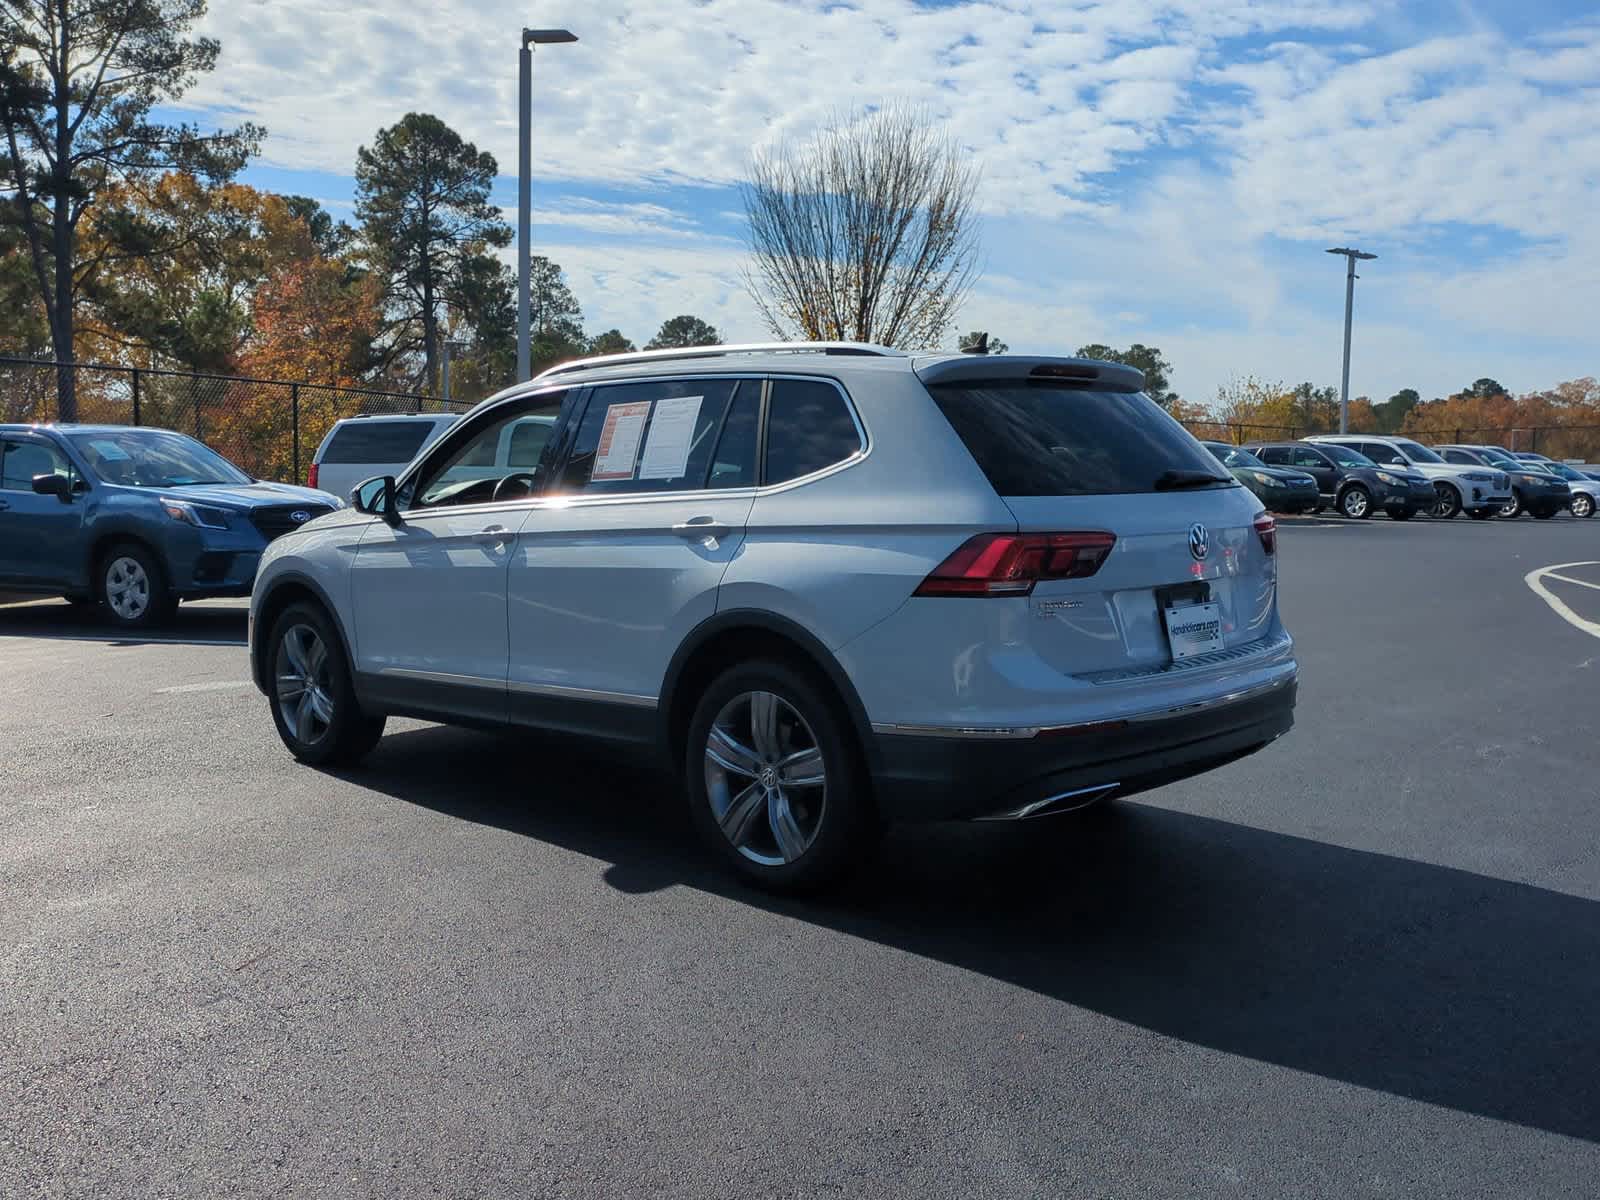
657	436
809	428
377	441
1034	439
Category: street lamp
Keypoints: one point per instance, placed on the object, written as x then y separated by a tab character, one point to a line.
1349	302
530	38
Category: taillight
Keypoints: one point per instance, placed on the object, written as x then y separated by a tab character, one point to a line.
1009	564
311	476
1267	531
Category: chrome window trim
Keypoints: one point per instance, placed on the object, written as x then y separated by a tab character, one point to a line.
1001	733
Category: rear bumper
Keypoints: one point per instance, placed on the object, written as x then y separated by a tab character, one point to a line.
922	777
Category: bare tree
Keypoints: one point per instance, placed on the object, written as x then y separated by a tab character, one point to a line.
867	233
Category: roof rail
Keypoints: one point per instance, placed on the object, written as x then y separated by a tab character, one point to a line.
861	349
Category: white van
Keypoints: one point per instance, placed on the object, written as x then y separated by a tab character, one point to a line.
358	448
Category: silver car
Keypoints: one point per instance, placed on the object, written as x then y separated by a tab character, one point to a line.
832	585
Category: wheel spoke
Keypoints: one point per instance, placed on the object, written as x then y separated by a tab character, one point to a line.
295	649
785	831
764	725
729	753
740	818
290	687
316	658
321	705
803	768
304	729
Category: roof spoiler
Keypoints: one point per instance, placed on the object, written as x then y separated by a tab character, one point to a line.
973	368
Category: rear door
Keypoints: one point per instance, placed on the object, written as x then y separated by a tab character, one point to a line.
1079	460
625	558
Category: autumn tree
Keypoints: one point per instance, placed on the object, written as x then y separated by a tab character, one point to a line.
683	331
1157	370
79	83
422	195
868	233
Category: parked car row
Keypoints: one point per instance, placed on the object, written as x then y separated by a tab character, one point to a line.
1358	474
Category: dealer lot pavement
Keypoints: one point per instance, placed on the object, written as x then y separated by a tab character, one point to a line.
1365	962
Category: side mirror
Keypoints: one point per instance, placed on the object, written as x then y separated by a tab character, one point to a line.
376	496
58	486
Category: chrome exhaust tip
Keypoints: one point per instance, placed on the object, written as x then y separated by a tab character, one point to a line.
1059	803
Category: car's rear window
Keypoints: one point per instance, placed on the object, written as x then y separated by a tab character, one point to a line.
1032	439
377	441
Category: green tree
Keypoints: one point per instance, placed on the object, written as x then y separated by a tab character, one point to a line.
79	80
1157	370
610	342
555	319
681	332
1315	410
1485	389
422	195
1392	413
992	345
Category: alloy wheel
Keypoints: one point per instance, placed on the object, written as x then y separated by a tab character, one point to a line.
1582	505
765	778
1355	503
127	588
1445	504
305	699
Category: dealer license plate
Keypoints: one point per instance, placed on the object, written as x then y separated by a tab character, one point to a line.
1194	629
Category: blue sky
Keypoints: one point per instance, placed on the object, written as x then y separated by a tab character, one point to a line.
1164	171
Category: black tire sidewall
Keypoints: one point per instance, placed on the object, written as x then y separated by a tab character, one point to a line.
352	732
845	833
162	602
1452	501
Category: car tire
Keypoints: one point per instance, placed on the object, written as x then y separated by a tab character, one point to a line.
1355	502
131	583
1481	514
1582	505
781	836
312	698
1447	501
1514	507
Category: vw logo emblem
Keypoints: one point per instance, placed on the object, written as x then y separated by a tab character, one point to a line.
1199	541
301	516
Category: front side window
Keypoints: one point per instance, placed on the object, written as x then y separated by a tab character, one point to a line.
654	436
809	428
21	461
497	457
1460	457
1307	458
153	458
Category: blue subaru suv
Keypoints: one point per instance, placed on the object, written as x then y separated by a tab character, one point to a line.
135	519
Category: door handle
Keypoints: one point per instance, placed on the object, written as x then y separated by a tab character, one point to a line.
702	527
495	535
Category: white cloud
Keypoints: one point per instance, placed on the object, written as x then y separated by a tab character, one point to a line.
1147	175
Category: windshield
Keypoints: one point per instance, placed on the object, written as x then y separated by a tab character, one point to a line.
1233	456
1417	452
153	458
1347	457
1501	459
1562	470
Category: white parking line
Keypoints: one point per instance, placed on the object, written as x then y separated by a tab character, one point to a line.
1535	580
218	685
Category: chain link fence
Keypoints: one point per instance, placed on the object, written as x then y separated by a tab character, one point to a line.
270	428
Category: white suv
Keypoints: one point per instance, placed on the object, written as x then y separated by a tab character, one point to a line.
358	448
1480	493
833	585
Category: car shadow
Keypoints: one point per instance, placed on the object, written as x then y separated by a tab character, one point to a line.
194	624
1423	981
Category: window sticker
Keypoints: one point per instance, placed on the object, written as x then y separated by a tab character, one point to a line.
619	440
666	452
110	451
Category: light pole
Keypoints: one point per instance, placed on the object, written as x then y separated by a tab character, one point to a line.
530	38
1349	303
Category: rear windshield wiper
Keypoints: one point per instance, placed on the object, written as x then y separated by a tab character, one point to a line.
1171	481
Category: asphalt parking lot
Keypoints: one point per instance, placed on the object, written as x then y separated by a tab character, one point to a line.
1365	962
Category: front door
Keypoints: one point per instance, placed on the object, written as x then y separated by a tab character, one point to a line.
429	592
41	539
1319	468
616	565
